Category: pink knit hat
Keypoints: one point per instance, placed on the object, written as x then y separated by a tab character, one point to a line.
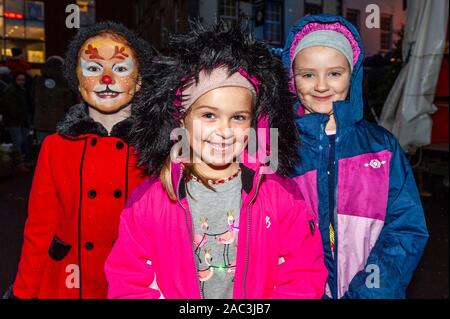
219	77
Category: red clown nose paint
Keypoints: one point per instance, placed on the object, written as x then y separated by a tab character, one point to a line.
106	79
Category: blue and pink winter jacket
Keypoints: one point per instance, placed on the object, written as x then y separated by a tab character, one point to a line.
380	225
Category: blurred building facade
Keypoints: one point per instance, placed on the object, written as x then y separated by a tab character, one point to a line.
39	28
22	25
153	20
270	20
392	20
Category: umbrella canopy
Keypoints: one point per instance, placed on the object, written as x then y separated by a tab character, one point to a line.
406	112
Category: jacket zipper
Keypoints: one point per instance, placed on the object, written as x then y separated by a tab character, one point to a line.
324	155
247	244
332	245
336	237
333	251
187	224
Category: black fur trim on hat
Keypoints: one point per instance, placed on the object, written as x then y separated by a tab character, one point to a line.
144	50
206	47
77	122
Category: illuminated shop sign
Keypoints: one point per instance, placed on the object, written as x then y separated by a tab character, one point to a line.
13	15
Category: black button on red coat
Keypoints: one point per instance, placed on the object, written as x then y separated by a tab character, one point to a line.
117	193
120	145
92	193
94	141
89	246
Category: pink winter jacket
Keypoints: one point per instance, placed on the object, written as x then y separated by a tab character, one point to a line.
280	253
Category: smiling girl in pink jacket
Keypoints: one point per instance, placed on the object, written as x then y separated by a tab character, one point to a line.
219	222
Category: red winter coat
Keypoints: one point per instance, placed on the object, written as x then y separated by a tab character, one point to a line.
82	181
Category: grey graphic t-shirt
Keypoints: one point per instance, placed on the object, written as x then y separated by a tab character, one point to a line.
215	216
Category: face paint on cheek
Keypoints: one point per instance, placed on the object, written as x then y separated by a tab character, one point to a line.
128	84
89	83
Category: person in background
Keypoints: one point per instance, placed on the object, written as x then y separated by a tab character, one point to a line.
18	62
14	109
5	79
51	97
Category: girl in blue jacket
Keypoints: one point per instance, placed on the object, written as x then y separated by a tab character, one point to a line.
354	175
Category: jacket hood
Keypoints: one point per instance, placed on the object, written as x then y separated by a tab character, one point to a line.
157	110
346	112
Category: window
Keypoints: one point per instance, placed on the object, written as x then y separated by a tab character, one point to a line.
35	10
13	14
22	26
35	30
35	56
87	12
273	31
386	32
34	25
15	7
228	10
14	28
23	19
353	16
312	8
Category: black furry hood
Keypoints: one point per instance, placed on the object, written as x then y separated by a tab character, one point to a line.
77	122
205	48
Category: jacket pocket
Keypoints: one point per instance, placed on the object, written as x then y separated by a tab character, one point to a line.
363	185
58	249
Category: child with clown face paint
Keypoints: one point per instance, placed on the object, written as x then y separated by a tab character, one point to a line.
85	171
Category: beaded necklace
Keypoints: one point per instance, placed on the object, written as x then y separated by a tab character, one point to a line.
218	181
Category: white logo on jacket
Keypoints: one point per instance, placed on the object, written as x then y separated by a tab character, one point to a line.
375	163
154	284
268	223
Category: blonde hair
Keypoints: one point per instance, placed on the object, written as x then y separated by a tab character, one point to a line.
165	175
